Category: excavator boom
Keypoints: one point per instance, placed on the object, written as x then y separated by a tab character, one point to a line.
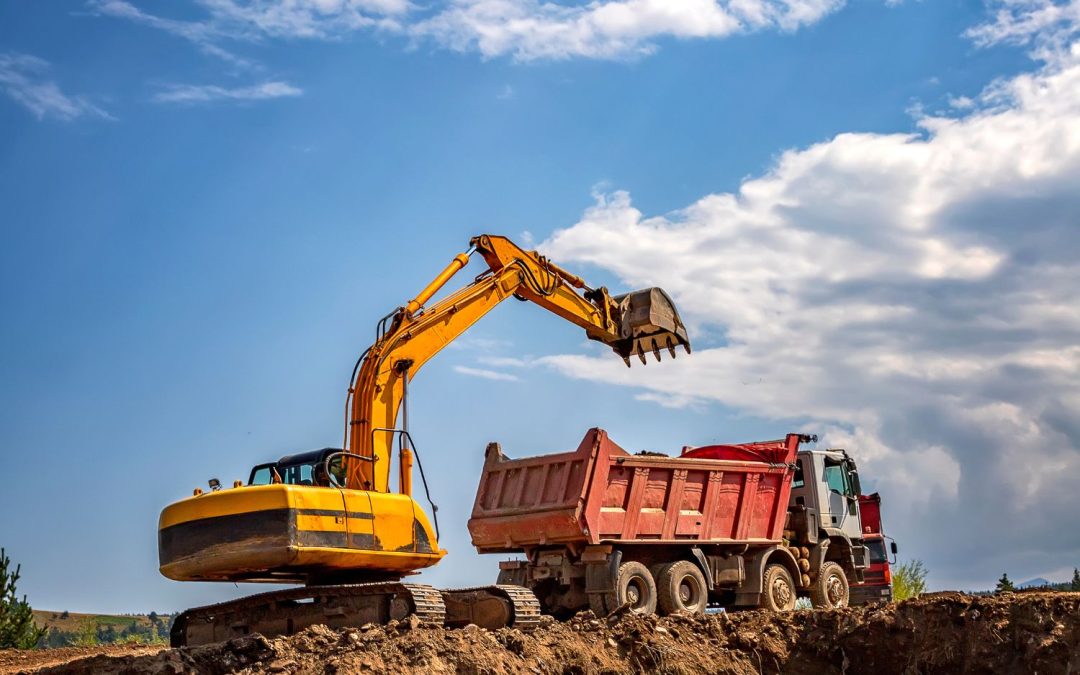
632	324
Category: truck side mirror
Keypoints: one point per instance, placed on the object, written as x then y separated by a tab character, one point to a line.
892	547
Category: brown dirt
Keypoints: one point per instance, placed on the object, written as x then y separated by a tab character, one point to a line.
27	660
939	633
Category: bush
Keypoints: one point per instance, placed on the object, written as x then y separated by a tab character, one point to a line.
17	628
909	580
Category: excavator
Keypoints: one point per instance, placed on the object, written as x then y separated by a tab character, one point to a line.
330	520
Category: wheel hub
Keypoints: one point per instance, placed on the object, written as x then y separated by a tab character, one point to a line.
781	592
685	592
834	589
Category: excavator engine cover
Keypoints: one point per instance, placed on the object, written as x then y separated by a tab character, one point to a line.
649	323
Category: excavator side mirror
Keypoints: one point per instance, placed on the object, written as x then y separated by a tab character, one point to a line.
893	548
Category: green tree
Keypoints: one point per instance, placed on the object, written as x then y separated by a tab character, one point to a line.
1075	585
909	580
17	628
1004	584
87	635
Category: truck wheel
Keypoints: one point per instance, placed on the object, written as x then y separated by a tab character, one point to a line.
778	589
680	587
830	589
633	585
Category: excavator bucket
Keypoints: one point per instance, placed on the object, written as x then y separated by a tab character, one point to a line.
649	323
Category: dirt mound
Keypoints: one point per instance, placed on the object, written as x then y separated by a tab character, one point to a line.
944	632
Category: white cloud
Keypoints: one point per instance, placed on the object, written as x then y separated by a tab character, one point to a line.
524	29
25	79
504	362
912	296
532	29
486	374
1042	22
207	93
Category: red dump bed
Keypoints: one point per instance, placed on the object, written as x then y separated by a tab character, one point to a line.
601	493
870	513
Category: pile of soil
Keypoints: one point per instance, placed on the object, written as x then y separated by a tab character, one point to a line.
943	632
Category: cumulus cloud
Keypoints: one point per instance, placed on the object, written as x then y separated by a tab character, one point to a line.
524	29
25	79
909	296
208	93
486	374
531	29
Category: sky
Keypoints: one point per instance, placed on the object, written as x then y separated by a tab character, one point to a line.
866	211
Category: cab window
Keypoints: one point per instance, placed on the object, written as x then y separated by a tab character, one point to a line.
797	480
836	478
297	474
337	470
262	475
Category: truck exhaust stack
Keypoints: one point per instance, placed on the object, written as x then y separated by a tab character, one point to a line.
649	323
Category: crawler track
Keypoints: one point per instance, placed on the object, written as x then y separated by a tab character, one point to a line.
290	611
492	607
345	605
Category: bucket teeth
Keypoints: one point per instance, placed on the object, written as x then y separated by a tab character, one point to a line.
626	361
648	321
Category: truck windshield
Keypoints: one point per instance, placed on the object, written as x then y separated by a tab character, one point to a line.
877	550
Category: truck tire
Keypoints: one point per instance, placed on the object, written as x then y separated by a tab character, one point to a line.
830	589
634	585
778	589
680	587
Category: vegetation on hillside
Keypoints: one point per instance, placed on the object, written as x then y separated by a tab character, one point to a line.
65	630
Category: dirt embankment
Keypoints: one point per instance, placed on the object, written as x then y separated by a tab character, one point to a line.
942	633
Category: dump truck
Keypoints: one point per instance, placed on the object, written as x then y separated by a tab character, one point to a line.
745	525
876	586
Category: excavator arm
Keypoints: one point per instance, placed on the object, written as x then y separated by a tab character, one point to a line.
632	324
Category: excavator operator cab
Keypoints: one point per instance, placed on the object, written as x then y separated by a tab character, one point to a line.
306	468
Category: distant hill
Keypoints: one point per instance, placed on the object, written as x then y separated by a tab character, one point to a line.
1037	582
70	628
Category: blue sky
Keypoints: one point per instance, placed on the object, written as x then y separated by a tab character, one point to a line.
866	212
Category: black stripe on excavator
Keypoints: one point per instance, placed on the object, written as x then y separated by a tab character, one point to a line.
274	527
358	515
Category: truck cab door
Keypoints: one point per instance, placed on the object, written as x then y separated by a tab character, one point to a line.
842	501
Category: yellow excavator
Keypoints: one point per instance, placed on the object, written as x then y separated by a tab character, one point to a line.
330	519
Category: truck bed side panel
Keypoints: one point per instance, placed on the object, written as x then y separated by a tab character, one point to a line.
600	493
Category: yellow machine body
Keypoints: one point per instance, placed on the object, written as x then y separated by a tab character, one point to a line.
293	533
